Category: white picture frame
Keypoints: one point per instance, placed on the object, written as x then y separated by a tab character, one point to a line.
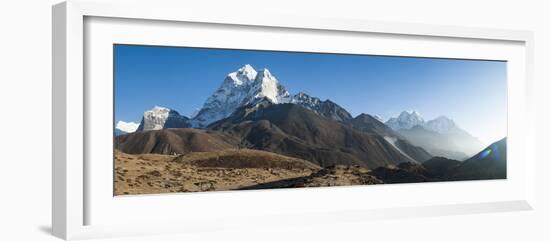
78	195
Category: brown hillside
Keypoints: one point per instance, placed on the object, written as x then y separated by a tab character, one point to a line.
174	141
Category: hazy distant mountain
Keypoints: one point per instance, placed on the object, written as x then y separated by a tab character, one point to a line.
406	120
442	125
161	118
440	136
371	124
410	119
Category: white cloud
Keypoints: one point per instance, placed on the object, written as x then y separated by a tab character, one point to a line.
127	127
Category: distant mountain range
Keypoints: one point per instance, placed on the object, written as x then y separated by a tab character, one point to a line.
252	110
440	136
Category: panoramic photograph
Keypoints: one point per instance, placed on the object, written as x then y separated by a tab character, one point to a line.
190	119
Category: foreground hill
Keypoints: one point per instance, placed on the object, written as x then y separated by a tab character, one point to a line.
326	177
204	171
237	169
243	158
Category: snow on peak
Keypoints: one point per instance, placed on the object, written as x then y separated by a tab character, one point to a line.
157	112
158	109
406	120
306	100
265	72
266	85
161	118
441	124
248	70
302	98
411	114
127	127
378	118
242	87
409	119
242	76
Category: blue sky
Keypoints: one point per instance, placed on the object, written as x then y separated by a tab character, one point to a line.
473	93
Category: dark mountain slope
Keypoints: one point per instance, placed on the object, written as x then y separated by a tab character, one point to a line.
487	164
369	124
441	167
293	130
325	108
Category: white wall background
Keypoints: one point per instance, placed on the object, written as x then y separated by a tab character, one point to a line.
25	107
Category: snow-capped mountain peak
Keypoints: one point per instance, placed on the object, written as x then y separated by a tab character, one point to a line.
406	120
266	74
441	124
245	86
411	115
266	85
127	127
157	111
410	119
242	76
161	118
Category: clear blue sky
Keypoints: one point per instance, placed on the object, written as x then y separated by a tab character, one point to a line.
473	93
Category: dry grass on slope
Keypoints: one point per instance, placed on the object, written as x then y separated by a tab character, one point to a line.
244	158
203	171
